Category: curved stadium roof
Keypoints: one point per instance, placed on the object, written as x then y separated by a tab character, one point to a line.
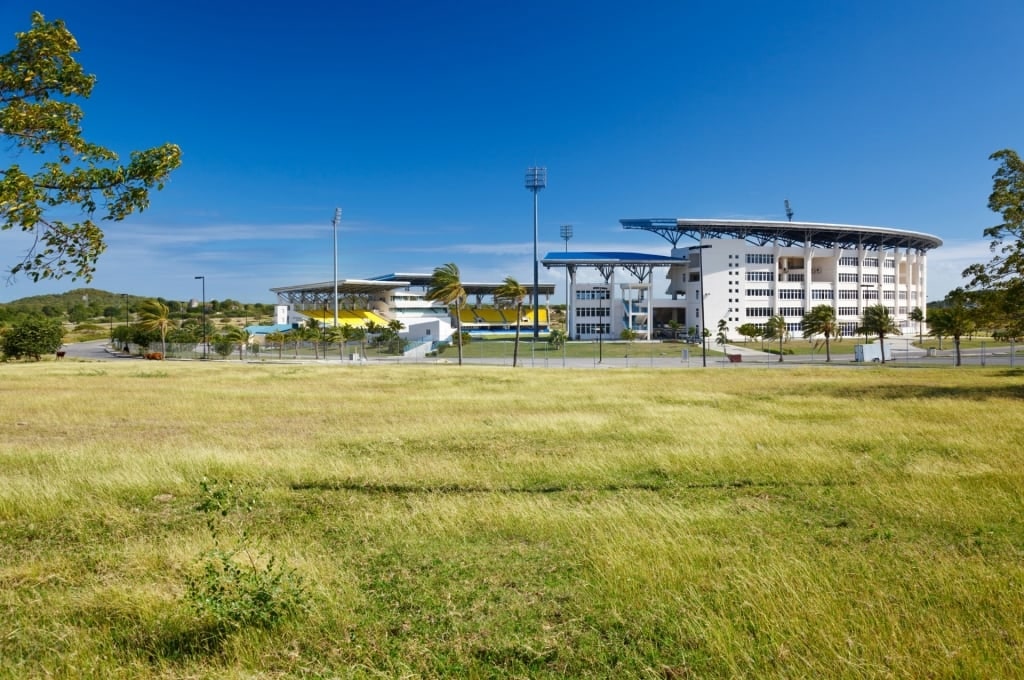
763	232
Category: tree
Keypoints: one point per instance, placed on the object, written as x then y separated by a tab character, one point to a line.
395	328
674	326
878	321
1003	275
953	320
750	331
33	337
156	316
446	287
556	338
340	334
917	316
311	332
39	79
278	338
776	328
238	337
514	293
821	320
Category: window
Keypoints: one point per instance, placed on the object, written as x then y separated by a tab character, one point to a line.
760	276
584	312
595	294
888	295
848	294
760	258
848	261
796	277
888	278
791	294
794	327
759	292
847	311
871	278
870	295
890	264
871	262
755	312
821	294
848	278
791	311
592	328
848	328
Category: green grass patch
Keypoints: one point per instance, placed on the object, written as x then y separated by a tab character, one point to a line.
437	521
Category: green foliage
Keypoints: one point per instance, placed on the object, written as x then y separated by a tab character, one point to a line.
33	337
821	320
1002	278
446	286
954	320
235	586
556	338
513	293
223	346
39	79
877	321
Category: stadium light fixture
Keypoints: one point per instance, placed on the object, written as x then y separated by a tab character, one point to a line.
536	179
337	219
703	330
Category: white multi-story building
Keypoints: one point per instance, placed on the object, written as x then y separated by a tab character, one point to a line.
745	272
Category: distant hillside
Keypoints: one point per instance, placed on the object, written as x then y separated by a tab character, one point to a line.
82	304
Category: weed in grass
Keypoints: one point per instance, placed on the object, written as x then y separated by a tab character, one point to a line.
235	584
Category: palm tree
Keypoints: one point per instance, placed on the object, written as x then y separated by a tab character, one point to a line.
446	287
278	338
776	328
237	335
155	316
311	331
821	320
514	293
340	334
878	321
954	320
395	328
917	316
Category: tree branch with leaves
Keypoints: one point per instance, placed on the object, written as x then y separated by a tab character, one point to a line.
39	79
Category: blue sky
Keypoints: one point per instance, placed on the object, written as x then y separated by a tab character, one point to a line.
419	120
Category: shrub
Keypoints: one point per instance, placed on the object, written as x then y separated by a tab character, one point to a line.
234	584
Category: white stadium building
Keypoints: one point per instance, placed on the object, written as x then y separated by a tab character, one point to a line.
733	271
745	271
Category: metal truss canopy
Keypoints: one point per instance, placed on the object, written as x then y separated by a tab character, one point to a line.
761	233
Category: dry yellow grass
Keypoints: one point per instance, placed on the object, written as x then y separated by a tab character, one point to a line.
491	522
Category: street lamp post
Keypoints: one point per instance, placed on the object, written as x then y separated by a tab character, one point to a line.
703	330
203	310
124	297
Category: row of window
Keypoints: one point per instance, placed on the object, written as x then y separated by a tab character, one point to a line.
593	328
848	261
592	311
594	294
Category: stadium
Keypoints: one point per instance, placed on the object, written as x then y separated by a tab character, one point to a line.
733	271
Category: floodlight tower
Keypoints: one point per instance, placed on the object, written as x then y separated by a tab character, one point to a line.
789	211
337	219
536	179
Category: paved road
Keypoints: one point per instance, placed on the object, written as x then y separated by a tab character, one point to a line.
94	349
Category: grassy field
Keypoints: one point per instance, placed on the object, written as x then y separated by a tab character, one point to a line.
433	521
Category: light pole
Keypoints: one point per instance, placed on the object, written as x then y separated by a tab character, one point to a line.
536	179
703	330
337	219
565	231
124	297
203	310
